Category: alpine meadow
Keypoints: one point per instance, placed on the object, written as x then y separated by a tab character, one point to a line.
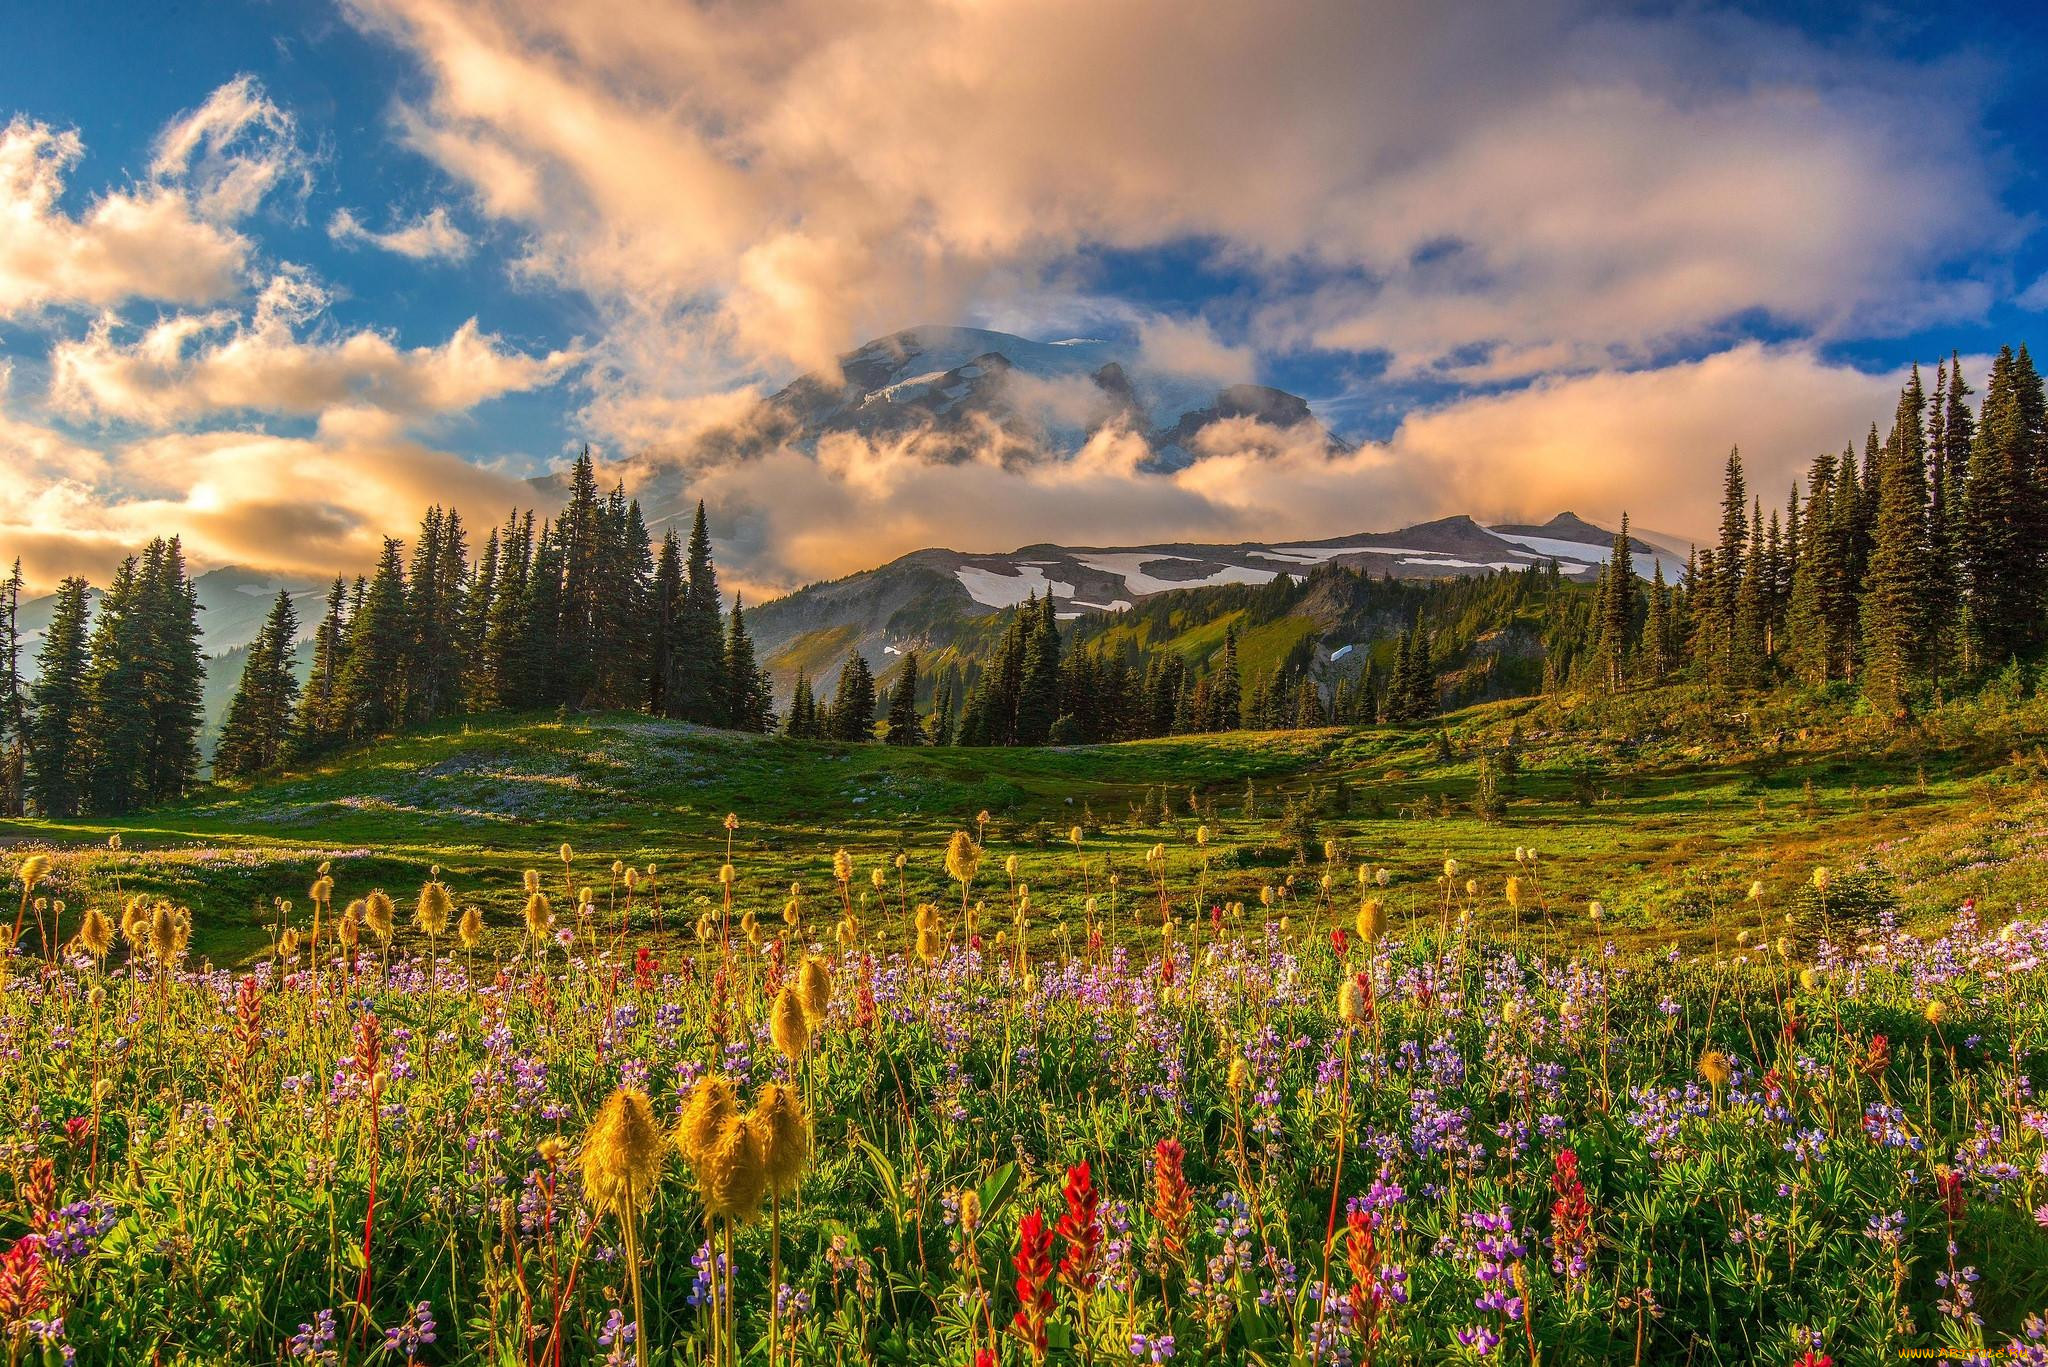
1031	684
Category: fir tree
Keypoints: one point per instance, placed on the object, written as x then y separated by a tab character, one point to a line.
54	741
115	730
256	735
371	687
903	727
749	703
1038	683
1897	583
853	703
174	676
14	718
697	696
665	603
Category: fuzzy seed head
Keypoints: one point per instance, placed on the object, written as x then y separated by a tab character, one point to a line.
622	1153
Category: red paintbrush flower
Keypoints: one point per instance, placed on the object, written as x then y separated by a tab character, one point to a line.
1362	1258
1034	1275
23	1289
1081	1229
1813	1359
1171	1202
1339	941
1571	1216
645	969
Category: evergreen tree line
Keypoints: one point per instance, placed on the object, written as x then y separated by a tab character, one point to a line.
579	610
111	723
576	611
1915	565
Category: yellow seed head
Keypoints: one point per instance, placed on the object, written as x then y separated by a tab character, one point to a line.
434	909
1372	919
970	1210
1514	891
33	870
814	990
1937	1012
711	1106
470	929
622	1153
1350	1002
568	855
532	881
785	1136
379	914
963	858
733	1176
786	1025
96	936
540	914
1240	1077
1716	1068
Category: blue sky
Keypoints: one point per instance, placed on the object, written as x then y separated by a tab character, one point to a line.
1563	253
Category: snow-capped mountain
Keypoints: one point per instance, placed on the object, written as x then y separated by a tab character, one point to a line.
927	597
954	392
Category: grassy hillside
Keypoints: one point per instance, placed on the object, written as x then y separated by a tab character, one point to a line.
1659	805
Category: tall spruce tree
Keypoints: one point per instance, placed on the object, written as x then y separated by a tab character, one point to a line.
749	702
14	718
256	735
1038	686
115	731
174	675
1897	583
903	723
371	690
699	634
55	764
319	724
853	703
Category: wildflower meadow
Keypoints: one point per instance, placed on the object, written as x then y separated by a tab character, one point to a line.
905	1112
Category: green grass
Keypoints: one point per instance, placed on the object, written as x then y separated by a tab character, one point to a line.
1688	807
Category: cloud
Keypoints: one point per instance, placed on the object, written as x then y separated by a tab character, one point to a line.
1646	442
1481	191
319	504
2035	296
431	237
1190	347
144	243
188	367
232	151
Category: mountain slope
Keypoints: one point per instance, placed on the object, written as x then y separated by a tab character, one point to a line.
934	599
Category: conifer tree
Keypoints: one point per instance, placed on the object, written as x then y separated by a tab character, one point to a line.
319	723
1226	694
1617	610
115	731
54	741
1658	629
371	695
1038	683
803	710
749	703
256	735
853	703
698	634
903	727
664	608
1897	583
174	677
14	719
